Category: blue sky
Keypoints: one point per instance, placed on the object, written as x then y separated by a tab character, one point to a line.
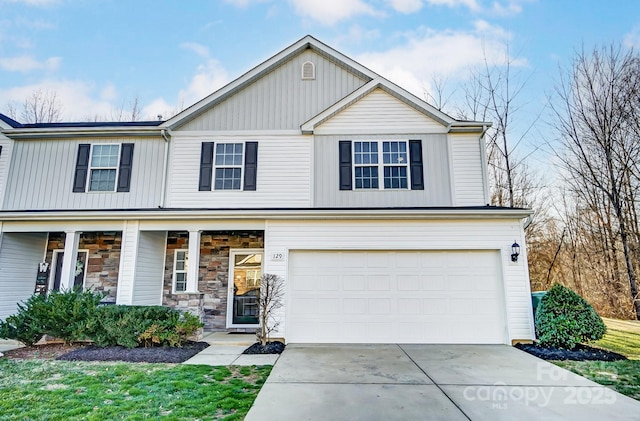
98	55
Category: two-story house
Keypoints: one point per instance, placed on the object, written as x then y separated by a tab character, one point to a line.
369	203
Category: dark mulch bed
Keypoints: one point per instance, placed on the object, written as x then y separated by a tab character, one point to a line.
269	348
42	352
579	353
158	354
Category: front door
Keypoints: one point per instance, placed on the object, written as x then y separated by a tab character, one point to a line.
245	270
81	263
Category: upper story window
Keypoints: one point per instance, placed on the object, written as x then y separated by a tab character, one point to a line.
228	166
397	162
388	158
103	168
228	174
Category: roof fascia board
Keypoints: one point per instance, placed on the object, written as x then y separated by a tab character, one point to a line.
388	87
263	68
286	214
53	133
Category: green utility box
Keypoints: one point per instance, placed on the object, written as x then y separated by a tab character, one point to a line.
536	297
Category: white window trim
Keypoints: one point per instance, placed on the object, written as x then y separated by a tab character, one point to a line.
175	271
91	168
241	166
54	260
380	165
232	254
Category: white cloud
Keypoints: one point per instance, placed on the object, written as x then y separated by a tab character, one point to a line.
199	49
208	78
429	54
78	98
471	4
28	63
329	12
406	6
632	39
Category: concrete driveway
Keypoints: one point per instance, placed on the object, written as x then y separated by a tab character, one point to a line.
429	382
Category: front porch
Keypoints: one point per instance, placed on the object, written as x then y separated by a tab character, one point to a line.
184	269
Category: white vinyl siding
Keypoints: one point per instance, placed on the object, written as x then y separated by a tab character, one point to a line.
437	180
280	99
283	173
451	235
468	175
42	173
20	254
379	112
147	289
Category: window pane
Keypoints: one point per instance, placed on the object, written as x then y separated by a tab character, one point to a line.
365	153
394	153
104	155
102	180
228	178
395	177
366	177
228	154
181	282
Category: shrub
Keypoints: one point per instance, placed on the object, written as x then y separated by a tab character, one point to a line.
132	326
564	319
66	315
24	326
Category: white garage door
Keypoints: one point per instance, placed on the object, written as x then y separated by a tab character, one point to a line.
395	297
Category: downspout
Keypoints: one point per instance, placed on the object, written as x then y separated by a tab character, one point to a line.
166	135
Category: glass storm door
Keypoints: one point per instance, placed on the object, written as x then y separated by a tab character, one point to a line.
246	270
78	281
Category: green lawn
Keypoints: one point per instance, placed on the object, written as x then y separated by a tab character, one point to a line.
623	337
53	390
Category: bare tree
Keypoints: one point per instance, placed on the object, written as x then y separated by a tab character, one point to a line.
597	117
41	107
269	301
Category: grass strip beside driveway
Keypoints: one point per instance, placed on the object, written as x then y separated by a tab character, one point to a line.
47	390
623	337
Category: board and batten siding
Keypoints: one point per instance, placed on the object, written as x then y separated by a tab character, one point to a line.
283	175
437	189
379	112
468	174
20	254
42	172
5	156
147	289
281	99
489	234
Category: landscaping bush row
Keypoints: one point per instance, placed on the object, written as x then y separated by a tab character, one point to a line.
77	315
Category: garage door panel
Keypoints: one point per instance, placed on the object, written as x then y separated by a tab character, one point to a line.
445	298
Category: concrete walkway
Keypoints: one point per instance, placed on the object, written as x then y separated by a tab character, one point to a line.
226	349
429	382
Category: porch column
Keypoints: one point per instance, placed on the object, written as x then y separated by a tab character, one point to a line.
128	259
193	265
72	238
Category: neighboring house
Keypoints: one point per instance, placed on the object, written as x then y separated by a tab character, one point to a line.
370	204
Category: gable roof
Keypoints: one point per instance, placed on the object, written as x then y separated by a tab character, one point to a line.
308	42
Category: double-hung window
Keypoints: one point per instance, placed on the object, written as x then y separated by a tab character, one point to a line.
103	167
180	271
228	164
386	158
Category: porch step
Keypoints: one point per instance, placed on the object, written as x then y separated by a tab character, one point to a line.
225	338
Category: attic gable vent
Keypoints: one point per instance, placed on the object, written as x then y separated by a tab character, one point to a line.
308	71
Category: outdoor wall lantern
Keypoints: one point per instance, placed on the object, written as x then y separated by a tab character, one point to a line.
515	251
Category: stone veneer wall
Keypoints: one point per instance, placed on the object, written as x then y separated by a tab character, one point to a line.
103	259
213	272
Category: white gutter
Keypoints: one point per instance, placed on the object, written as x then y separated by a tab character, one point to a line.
58	132
153	214
166	135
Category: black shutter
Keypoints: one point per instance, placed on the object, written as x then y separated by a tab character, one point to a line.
250	165
415	161
126	164
206	166
82	168
345	164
